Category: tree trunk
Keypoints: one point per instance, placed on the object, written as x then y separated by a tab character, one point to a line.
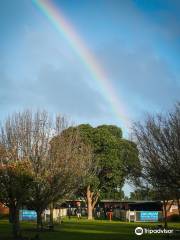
165	213
39	220
51	216
90	210
14	220
178	203
89	204
10	215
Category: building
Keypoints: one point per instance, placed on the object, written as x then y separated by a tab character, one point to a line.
172	208
135	211
3	210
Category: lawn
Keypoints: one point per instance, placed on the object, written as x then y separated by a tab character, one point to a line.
86	230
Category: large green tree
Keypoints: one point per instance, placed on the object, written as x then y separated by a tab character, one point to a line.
113	160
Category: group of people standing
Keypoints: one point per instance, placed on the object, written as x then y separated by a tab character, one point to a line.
99	212
77	212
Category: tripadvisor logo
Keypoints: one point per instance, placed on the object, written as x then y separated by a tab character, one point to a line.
140	231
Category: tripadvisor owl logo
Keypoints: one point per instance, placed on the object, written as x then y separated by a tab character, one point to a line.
139	231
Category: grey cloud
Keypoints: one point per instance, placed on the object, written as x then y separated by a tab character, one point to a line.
143	25
49	76
68	91
6	88
142	75
60	90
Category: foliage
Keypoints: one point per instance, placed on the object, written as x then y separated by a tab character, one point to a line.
31	172
174	218
143	194
115	194
158	140
113	159
13	178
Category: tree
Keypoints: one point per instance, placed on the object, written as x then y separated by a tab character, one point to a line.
15	171
143	194
113	193
158	139
33	173
112	161
15	181
39	131
54	165
72	157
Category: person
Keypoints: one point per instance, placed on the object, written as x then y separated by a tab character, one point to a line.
98	211
106	212
69	211
110	213
78	212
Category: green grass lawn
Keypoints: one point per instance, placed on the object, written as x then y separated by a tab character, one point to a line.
86	230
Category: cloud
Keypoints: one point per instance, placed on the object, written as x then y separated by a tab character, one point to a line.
142	75
45	73
7	88
56	90
156	20
65	90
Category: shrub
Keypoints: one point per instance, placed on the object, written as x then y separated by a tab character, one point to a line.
175	218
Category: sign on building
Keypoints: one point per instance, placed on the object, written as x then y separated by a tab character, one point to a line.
28	215
149	216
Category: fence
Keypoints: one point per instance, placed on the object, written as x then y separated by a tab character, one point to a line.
138	216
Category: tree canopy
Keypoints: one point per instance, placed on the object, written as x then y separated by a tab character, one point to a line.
158	139
113	160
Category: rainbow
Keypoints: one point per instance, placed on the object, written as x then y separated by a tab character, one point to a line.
66	29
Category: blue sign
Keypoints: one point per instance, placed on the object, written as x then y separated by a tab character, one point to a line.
28	215
150	216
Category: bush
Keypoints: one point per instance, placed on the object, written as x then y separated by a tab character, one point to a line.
174	218
4	216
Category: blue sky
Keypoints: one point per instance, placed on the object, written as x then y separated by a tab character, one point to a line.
137	42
